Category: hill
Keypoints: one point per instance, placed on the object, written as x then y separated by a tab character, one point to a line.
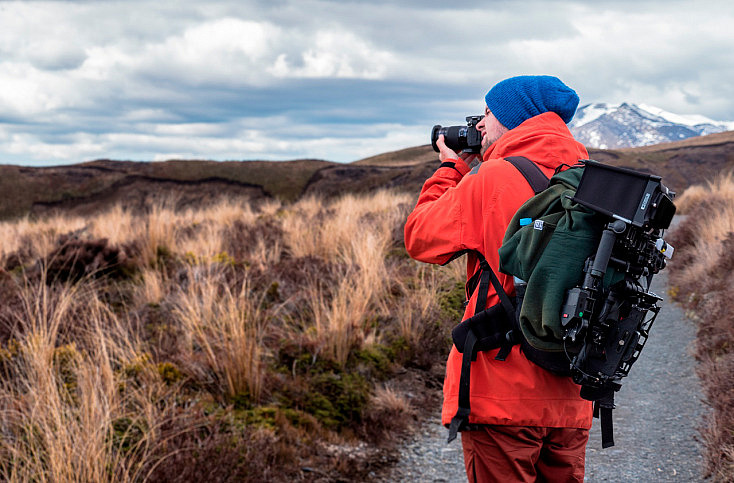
87	187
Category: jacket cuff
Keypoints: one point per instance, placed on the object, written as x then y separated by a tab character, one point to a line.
457	164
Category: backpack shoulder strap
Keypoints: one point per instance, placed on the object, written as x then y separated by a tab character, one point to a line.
482	279
538	181
532	173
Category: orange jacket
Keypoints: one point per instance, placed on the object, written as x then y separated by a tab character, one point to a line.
457	211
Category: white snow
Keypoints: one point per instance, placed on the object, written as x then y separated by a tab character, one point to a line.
685	119
591	112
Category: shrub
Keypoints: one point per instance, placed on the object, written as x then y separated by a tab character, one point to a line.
702	276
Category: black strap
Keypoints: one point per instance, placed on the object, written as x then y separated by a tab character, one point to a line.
532	173
504	298
461	419
484	279
603	407
538	181
480	280
607	427
488	276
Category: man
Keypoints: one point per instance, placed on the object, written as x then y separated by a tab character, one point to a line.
526	423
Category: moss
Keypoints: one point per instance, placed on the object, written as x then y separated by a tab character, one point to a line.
138	365
261	417
299	419
377	359
336	396
320	407
137	372
224	258
339	398
66	358
242	400
169	373
400	350
451	302
295	359
372	361
275	418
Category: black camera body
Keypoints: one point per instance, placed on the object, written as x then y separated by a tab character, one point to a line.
459	138
607	327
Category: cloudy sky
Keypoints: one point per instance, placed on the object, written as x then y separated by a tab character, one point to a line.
337	80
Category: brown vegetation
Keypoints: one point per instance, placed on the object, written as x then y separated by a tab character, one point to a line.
702	280
228	343
84	189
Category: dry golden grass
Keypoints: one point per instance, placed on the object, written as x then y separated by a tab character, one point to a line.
61	407
388	400
721	188
328	232
422	302
357	232
168	331
701	278
36	237
226	326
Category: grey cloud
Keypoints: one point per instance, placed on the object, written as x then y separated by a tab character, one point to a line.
49	60
439	58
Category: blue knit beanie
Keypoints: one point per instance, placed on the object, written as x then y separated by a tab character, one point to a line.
517	99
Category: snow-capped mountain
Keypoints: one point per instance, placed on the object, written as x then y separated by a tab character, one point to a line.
609	126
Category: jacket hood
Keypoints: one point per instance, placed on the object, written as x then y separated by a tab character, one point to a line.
544	139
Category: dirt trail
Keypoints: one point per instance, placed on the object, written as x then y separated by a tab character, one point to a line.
655	424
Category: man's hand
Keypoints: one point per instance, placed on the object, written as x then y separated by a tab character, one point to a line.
447	154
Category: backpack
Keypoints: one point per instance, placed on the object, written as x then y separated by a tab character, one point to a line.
579	251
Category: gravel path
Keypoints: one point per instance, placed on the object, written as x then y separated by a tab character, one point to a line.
658	410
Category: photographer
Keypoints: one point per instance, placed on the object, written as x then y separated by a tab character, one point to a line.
525	423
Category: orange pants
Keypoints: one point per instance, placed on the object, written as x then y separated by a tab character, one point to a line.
524	453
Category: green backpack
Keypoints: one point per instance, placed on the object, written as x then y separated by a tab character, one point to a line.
583	251
546	245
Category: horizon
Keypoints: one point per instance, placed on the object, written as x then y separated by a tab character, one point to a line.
335	81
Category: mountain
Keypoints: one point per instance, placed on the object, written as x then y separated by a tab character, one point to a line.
610	126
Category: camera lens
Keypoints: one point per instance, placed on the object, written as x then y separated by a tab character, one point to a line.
454	137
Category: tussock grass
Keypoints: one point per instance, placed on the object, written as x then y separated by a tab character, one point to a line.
64	402
721	188
226	325
223	343
702	280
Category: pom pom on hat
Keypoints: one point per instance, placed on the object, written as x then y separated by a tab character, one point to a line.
517	99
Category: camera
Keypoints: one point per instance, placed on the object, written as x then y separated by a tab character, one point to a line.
636	198
606	327
459	138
